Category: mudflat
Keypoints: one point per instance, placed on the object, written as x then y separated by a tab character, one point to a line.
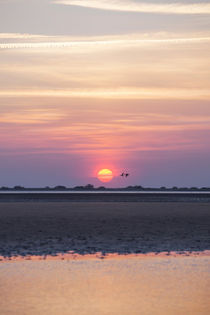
50	228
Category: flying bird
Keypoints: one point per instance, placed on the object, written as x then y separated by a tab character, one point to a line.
124	174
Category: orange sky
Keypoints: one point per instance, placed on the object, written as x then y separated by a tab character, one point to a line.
133	98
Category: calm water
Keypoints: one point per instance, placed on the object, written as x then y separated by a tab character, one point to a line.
174	285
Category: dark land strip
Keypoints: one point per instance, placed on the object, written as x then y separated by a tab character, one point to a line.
105	197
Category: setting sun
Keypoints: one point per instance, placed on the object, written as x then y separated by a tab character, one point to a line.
105	175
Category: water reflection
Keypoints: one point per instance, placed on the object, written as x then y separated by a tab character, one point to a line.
130	285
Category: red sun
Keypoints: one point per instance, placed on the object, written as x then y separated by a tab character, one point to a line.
105	175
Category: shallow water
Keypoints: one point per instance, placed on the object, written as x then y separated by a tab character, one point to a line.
129	285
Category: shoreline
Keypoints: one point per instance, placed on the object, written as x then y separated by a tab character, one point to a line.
99	256
105	197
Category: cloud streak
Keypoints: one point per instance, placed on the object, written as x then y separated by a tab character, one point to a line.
100	43
145	130
125	93
131	6
136	66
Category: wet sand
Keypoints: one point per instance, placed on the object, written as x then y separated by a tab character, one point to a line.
50	228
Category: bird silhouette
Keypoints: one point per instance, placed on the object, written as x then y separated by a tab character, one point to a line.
124	174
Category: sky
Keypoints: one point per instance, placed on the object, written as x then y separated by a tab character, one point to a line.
87	85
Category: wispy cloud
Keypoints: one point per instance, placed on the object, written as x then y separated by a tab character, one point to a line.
71	131
132	6
93	42
124	93
31	116
136	66
20	36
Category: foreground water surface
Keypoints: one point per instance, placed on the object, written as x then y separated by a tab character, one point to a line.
120	285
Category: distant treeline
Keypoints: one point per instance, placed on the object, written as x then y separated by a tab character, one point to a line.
102	188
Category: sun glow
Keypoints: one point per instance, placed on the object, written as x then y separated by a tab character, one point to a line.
105	175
